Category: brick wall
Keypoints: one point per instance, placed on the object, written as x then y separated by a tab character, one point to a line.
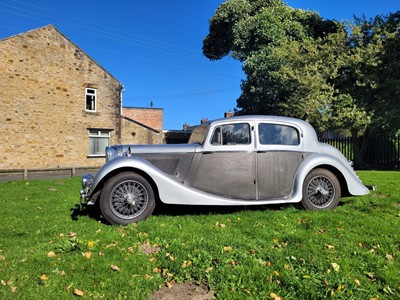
151	117
43	121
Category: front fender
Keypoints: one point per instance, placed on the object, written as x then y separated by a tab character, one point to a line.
354	184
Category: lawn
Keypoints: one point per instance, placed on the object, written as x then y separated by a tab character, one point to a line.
50	249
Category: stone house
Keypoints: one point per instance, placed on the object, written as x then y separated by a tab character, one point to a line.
58	107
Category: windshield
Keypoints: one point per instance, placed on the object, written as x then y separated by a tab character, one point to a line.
199	134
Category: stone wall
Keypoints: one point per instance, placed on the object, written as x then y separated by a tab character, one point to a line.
43	120
134	133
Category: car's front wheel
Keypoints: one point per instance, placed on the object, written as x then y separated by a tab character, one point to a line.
127	198
321	190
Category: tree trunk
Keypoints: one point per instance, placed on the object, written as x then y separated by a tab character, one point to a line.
360	145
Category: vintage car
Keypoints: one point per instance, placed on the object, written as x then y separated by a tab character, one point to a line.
244	160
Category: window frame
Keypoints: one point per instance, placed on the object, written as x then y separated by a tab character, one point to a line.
96	133
94	101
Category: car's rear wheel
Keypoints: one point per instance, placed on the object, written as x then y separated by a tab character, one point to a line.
127	198
321	190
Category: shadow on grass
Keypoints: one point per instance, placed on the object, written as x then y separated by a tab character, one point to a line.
173	210
162	209
90	211
184	210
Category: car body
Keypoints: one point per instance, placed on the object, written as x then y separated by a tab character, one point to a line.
242	160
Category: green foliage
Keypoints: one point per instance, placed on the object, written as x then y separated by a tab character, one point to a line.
339	76
49	248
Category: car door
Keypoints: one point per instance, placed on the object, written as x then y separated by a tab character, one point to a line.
278	155
227	163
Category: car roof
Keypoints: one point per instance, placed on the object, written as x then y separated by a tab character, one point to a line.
263	118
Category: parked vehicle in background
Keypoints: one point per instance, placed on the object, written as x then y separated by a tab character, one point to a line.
245	160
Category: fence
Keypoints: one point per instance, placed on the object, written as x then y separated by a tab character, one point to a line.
381	151
38	174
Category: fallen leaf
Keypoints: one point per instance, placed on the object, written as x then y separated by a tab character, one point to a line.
330	246
147	276
335	267
88	255
78	292
115	268
51	254
227	248
170	284
275	296
170	256
62	273
44	277
2	257
3	282
340	287
389	257
111	245
72	234
186	264
13	289
357	282
156	270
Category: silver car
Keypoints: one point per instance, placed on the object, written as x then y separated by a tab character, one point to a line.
245	160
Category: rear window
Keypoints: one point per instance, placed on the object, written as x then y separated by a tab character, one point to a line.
274	134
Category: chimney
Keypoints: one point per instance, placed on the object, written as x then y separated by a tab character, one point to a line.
204	120
228	114
186	126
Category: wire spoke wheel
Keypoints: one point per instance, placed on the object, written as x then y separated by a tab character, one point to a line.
321	190
128	199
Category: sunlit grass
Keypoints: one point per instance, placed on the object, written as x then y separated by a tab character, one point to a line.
50	249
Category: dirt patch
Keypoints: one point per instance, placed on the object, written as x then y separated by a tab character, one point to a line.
149	249
183	291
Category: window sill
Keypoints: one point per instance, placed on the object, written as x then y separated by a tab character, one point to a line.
96	156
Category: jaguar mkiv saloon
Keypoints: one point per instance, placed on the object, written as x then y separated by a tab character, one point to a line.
244	160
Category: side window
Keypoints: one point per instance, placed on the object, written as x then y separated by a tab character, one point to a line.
232	134
91	100
273	134
98	141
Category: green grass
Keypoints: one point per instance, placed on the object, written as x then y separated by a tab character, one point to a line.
49	249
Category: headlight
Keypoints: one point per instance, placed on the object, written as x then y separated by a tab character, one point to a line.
87	181
111	153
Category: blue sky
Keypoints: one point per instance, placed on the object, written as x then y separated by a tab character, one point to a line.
154	47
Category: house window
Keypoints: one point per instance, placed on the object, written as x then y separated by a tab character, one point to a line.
91	100
99	139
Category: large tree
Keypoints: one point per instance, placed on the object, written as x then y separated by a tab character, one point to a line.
249	30
338	76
